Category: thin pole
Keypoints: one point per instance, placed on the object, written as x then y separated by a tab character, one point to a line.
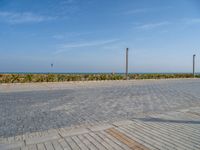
126	63
194	65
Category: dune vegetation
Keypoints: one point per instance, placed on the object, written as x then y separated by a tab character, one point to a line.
28	78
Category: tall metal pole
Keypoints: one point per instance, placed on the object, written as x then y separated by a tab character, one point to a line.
126	63
194	65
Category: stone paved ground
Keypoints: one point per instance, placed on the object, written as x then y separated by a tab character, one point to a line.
178	130
38	107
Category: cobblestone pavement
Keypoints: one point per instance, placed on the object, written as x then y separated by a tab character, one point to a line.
53	106
179	130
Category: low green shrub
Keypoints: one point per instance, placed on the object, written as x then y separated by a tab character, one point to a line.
23	78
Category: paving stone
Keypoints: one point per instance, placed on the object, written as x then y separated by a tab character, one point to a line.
87	142
159	114
48	145
56	145
25	148
100	127
41	146
74	132
64	144
94	142
11	145
72	144
122	123
113	141
80	143
41	139
59	105
32	147
102	141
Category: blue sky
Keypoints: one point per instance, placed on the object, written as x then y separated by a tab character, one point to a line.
91	35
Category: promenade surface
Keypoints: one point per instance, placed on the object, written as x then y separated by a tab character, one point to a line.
145	114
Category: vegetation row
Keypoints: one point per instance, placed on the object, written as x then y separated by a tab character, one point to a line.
27	78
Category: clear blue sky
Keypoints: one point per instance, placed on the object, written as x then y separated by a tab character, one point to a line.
91	35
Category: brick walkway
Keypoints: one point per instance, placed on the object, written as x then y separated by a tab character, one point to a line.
46	106
173	130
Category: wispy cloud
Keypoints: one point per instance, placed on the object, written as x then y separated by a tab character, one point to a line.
70	35
149	26
191	21
145	10
88	44
181	23
66	47
22	17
